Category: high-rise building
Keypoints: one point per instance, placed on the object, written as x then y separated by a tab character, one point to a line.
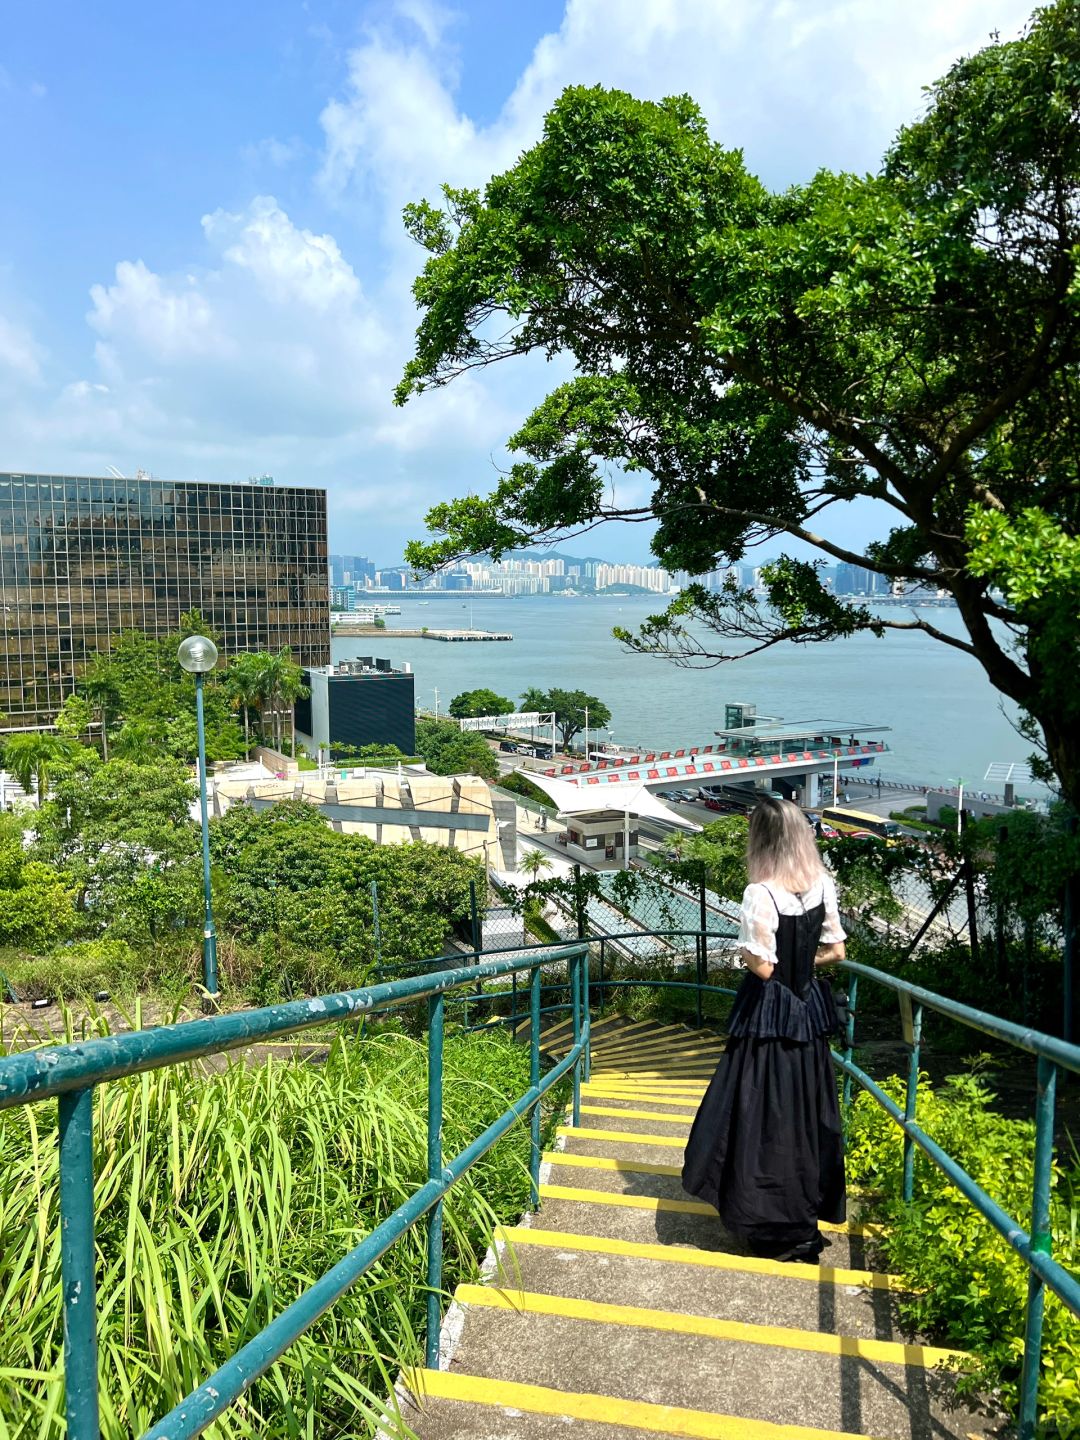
83	558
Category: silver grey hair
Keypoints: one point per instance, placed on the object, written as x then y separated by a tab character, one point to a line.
781	847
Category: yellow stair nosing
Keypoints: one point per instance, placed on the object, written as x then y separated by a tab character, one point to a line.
629	1137
597	1162
671	1420
513	1235
674	1206
785	1337
602	1051
631	1097
612	1111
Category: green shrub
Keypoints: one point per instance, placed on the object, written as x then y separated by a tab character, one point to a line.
77	971
972	1287
220	1197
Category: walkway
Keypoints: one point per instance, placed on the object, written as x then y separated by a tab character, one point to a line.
623	1310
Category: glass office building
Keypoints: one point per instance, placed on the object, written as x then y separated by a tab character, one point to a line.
84	558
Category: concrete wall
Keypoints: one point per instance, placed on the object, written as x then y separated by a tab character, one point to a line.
275	761
937	800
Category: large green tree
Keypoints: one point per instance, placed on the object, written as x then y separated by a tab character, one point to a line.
573	709
446	750
910	336
474	703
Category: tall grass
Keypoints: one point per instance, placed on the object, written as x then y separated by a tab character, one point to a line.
220	1196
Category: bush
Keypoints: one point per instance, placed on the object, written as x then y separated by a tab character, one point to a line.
971	1286
76	972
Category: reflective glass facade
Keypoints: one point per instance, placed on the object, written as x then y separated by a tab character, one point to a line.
83	558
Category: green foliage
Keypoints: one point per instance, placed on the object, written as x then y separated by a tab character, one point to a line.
472	703
971	1288
32	756
379	623
285	874
138	685
569	707
74	717
77	972
717	856
35	905
910	335
446	750
219	1198
121	833
518	783
1028	859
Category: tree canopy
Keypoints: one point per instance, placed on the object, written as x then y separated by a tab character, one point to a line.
473	703
910	336
447	750
569	708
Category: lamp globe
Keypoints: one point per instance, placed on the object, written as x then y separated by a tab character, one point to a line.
197	655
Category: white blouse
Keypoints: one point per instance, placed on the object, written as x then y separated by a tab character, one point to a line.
758	921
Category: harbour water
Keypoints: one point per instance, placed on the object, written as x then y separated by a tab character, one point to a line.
946	719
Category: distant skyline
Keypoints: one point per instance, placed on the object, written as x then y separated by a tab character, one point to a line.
203	271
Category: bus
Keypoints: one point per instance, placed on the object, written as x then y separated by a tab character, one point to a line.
850	822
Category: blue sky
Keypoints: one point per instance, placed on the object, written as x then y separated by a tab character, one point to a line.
202	268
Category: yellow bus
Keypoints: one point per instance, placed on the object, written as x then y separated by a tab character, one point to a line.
850	821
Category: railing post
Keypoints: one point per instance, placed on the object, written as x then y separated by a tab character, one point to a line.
912	1020
603	988
587	1017
575	995
435	1161
513	1006
1040	1244
1071	1028
702	953
849	1037
534	1081
77	1263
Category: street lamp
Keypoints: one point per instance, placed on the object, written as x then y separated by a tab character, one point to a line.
198	656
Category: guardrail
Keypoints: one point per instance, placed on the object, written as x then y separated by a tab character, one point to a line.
70	1074
1035	1246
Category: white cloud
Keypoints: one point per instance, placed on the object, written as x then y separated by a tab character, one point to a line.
277	347
20	354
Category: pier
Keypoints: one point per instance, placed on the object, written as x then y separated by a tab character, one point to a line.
347	631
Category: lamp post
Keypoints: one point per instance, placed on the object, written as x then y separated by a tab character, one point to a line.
198	656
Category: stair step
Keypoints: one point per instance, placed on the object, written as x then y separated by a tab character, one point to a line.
604	1410
681	1117
681	1254
708	1327
589	1133
720	1293
676	1204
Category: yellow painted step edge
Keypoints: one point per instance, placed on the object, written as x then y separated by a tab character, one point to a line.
602	1050
595	1162
890	1352
683	1119
678	1207
631	1137
606	1409
514	1235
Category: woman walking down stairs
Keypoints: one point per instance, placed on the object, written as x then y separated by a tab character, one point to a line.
623	1310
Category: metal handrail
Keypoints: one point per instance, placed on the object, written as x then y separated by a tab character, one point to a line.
1034	1248
70	1073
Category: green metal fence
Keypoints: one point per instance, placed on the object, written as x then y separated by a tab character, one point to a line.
70	1073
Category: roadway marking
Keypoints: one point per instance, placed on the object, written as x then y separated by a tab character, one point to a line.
514	1235
608	1409
890	1352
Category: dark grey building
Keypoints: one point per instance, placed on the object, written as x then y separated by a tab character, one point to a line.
358	702
83	557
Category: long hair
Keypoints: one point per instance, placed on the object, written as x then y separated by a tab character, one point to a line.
781	846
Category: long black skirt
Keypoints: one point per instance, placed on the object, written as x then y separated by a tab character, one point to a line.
766	1147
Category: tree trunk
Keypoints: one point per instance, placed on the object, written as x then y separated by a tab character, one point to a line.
247	734
292	729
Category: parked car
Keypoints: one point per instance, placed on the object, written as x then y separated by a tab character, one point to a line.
688	797
712	803
509	746
667	795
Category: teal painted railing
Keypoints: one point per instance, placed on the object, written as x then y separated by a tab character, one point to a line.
1033	1246
70	1073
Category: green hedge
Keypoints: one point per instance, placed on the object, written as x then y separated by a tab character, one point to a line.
972	1287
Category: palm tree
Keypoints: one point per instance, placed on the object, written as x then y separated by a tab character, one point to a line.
534	862
243	683
30	756
137	741
279	682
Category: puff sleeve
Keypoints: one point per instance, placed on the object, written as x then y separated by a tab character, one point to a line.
832	932
758	923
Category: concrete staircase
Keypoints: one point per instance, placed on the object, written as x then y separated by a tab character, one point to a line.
622	1309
